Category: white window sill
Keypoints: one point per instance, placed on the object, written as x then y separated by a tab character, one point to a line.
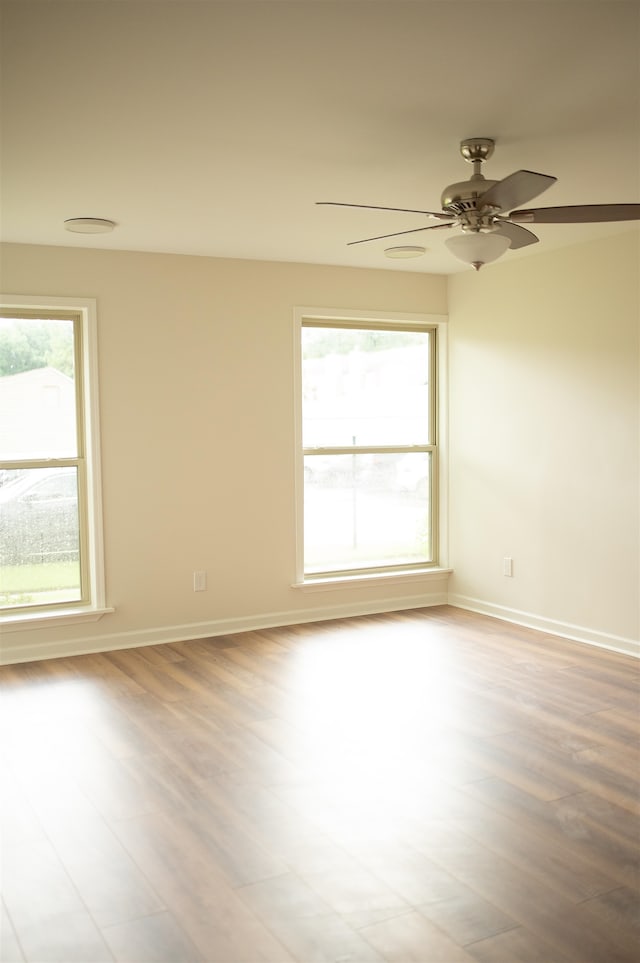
70	615
324	583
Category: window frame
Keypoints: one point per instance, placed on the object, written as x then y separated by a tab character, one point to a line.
91	605
375	320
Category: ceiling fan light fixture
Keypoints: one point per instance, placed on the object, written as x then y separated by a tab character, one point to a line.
405	251
478	249
89	225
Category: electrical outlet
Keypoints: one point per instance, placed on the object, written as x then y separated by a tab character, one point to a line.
199	581
507	567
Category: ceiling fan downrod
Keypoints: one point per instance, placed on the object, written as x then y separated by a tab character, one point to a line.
461	197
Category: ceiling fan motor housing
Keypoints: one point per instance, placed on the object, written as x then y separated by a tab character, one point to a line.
463	196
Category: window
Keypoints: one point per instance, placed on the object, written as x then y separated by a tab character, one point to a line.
369	445
50	518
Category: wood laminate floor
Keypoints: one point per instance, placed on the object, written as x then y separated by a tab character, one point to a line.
430	786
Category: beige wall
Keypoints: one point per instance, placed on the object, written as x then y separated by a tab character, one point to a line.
544	426
196	392
197	437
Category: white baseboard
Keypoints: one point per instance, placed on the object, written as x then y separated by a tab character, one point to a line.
22	651
19	650
576	633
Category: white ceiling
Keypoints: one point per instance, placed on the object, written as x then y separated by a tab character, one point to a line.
211	128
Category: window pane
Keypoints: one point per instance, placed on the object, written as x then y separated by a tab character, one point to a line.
365	387
37	391
361	511
39	538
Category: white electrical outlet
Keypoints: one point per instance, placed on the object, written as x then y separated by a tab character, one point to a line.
507	567
199	581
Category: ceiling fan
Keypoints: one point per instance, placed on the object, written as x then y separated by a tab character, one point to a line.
484	210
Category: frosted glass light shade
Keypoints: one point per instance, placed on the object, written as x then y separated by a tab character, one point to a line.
477	249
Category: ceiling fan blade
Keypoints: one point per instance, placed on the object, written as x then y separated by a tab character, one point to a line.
516	189
518	236
372	207
381	237
580	214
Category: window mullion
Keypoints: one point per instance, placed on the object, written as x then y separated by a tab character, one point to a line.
367	449
70	462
